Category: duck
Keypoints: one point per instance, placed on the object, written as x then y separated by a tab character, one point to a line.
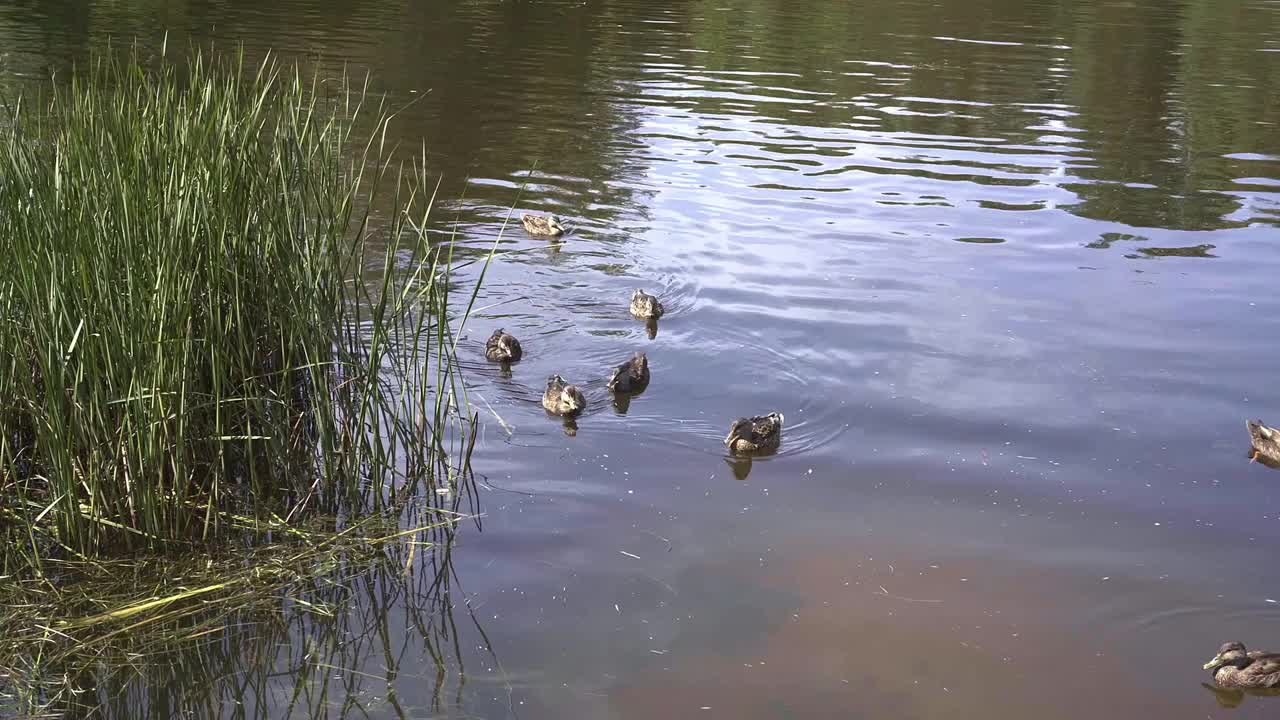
562	398
755	434
546	225
1236	667
1266	442
645	306
502	346
630	376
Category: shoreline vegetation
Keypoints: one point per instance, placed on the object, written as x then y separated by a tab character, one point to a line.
223	377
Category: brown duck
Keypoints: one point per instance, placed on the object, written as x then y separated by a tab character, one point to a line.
630	376
545	225
1235	667
561	398
503	347
1266	443
645	307
755	434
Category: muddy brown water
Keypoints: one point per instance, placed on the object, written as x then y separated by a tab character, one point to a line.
1010	269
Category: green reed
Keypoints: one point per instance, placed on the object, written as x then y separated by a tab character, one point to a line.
205	328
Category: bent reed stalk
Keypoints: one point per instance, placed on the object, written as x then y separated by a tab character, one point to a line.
203	328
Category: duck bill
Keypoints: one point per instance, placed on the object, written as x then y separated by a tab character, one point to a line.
1214	664
732	438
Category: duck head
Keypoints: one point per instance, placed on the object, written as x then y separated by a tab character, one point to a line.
571	399
1261	435
505	343
1230	654
739	430
618	381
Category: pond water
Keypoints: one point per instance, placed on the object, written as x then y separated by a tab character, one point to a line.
1009	268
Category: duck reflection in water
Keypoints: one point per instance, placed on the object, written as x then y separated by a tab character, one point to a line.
622	403
571	426
741	466
1232	698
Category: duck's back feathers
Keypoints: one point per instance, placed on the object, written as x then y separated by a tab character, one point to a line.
645	306
630	376
755	434
1263	672
1258	430
503	347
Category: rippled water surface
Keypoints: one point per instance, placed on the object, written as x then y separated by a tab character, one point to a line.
1010	269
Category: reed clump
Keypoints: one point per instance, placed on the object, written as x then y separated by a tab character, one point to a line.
203	328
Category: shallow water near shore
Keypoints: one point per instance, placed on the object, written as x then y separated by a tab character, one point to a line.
1009	270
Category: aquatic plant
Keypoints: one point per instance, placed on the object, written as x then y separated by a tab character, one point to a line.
201	320
212	346
224	625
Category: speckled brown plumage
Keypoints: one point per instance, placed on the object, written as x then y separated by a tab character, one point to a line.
761	433
646	307
545	225
503	347
1236	667
1266	442
561	398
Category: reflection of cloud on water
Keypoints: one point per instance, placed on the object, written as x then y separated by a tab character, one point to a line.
881	631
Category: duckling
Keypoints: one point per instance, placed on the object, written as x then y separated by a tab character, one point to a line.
755	434
645	306
630	376
546	225
561	398
1234	666
503	347
1266	442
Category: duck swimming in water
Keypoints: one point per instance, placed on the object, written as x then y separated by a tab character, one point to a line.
1266	443
755	434
630	376
645	307
561	398
503	347
1235	667
545	225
